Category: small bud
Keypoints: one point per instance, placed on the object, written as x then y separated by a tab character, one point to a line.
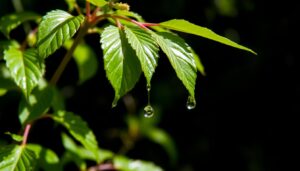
122	6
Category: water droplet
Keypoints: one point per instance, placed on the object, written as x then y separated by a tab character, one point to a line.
191	103
148	87
148	111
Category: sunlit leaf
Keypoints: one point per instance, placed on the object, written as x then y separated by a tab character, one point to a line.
79	129
56	27
16	158
12	21
25	67
38	103
46	158
6	44
146	49
86	61
98	3
180	57
120	62
187	27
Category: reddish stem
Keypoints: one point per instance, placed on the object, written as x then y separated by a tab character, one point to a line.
26	133
150	24
88	9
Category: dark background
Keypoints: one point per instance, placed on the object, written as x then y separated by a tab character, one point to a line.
245	119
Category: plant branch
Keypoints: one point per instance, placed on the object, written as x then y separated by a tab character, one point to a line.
70	52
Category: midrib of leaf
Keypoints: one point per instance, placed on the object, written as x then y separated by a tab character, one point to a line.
19	153
147	55
59	27
187	27
172	49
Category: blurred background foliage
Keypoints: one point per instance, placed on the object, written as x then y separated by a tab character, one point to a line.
245	103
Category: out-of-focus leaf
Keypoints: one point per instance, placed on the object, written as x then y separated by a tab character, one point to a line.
46	158
162	138
6	82
125	164
25	67
120	61
86	60
98	3
187	27
16	158
37	104
71	4
12	21
15	137
83	153
58	102
180	57
56	27
130	14
199	64
79	129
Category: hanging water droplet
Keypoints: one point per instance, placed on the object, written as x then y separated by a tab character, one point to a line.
191	103
148	111
148	87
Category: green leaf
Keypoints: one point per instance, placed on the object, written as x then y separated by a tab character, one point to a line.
120	62
12	21
130	14
46	158
180	57
6	44
86	61
25	67
162	138
146	49
98	3
58	102
6	81
18	138
125	164
187	27
78	129
83	153
16	158
56	27
199	64
71	4
37	104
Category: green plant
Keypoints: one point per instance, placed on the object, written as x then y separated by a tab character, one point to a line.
130	47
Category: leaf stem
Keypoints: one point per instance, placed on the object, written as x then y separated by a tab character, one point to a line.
88	9
26	133
69	54
142	25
